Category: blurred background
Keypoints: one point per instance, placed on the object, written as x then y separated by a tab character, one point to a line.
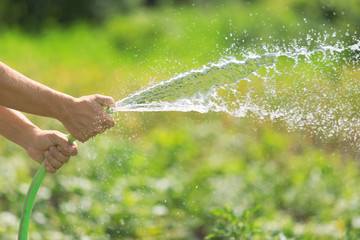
174	175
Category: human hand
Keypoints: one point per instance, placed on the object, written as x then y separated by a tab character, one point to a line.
86	116
52	145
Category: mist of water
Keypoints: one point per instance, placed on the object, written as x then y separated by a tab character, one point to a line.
314	87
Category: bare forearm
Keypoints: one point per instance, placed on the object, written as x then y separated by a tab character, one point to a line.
16	127
23	94
83	117
38	143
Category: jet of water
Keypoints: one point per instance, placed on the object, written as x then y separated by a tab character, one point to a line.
315	89
195	83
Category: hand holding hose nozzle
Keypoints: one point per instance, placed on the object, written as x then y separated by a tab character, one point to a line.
85	116
33	189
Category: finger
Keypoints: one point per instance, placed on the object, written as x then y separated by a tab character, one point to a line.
102	125
49	168
105	101
82	138
54	158
85	138
59	139
70	150
110	121
107	121
52	161
58	155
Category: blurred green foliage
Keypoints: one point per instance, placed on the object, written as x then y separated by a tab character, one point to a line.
230	226
34	15
177	175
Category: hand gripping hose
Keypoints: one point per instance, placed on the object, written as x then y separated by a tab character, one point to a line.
31	194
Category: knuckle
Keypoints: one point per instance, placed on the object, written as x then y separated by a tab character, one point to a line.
64	159
57	165
54	163
74	152
97	96
112	123
53	135
50	169
110	99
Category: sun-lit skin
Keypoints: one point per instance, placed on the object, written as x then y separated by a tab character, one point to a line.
39	144
82	117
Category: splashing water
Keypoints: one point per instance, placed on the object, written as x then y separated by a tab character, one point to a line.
314	88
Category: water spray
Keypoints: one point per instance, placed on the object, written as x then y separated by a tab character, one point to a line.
303	87
32	192
312	88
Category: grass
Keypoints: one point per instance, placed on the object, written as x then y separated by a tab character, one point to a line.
175	175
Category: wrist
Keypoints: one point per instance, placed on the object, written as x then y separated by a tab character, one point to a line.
29	136
62	111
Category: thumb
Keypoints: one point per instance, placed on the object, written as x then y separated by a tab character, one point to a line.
105	101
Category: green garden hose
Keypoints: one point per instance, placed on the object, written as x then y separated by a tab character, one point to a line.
31	194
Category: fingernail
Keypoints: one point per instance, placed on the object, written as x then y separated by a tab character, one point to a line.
70	148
